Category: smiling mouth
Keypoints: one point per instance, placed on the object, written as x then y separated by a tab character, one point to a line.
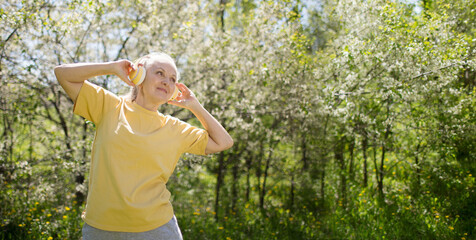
161	89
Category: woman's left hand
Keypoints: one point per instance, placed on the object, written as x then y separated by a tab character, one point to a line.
185	99
219	139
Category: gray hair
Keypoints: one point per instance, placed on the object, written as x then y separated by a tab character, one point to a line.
144	60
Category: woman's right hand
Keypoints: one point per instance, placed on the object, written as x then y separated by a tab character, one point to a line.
122	68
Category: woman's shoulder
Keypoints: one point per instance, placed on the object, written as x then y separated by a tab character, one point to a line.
174	121
100	90
168	119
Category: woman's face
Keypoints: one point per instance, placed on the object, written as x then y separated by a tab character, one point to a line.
160	79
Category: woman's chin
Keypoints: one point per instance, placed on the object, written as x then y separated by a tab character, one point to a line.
160	99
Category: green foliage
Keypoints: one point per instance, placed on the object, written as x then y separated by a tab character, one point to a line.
351	119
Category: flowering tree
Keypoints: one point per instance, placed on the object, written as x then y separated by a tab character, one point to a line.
330	104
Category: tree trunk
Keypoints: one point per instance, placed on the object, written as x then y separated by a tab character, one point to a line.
221	14
234	187
258	167
79	178
265	177
248	172
376	169
364	153
304	157
323	186
6	169
384	150
339	157
291	192
221	156
382	162
381	173
351	162
220	174
323	158
418	167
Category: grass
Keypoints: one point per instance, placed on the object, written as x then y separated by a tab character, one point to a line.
432	212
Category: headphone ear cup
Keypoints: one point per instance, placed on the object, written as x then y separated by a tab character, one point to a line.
175	94
137	77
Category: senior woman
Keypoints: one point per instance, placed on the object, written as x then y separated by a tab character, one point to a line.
136	148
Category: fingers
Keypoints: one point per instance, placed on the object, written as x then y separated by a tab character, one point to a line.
185	99
175	103
128	81
181	87
185	91
126	67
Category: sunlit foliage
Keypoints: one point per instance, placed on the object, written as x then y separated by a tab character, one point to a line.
351	119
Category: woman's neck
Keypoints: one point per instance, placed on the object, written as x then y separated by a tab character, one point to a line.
141	101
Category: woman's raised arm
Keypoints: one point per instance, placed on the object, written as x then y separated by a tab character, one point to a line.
72	76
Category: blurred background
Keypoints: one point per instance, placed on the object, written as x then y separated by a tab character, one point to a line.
352	119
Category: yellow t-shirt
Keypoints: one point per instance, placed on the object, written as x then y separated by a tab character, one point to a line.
134	153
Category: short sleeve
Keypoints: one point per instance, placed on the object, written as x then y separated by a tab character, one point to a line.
93	102
194	140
